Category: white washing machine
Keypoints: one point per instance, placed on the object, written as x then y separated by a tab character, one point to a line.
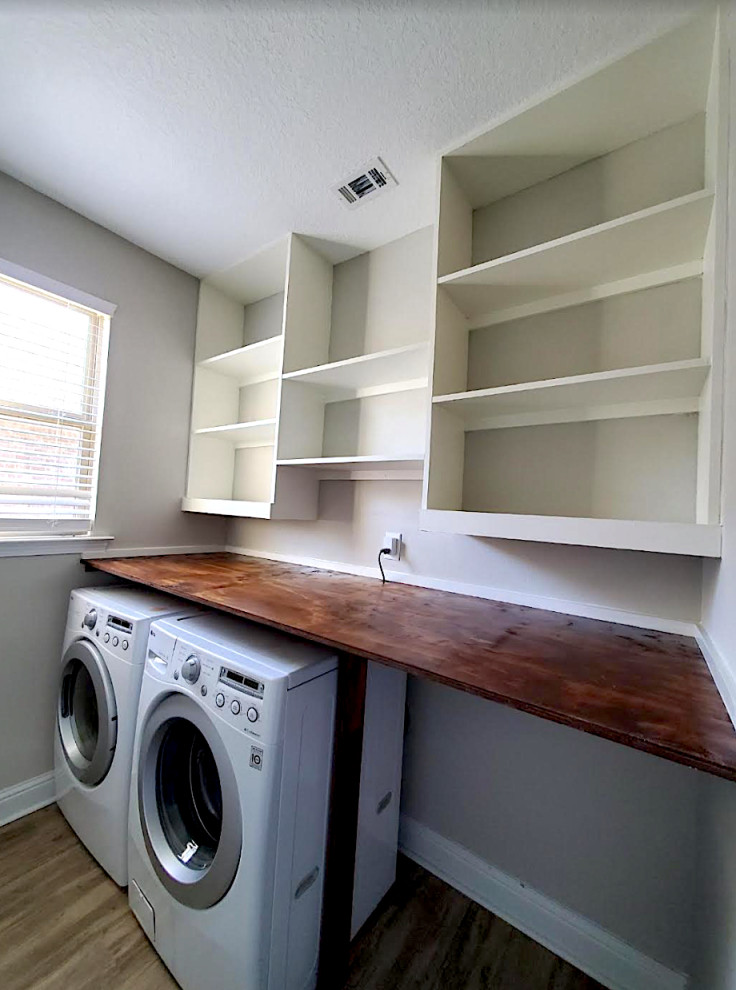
102	661
229	803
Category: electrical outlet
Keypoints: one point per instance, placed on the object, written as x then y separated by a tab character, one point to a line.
393	540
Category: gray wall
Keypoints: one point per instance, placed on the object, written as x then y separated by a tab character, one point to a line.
607	831
354	516
143	457
34	594
715	964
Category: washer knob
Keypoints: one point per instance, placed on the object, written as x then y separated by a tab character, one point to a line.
235	707
90	619
107	637
219	699
252	714
190	669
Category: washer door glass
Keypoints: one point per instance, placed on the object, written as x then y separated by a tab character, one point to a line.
188	802
188	794
87	714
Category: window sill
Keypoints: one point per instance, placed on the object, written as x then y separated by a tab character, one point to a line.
25	545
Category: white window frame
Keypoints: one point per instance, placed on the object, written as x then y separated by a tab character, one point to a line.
21	537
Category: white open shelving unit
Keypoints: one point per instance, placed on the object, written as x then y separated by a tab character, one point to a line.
576	374
237	389
302	371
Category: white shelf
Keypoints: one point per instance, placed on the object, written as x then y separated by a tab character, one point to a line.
597	395
253	363
370	374
660	237
227	507
690	539
376	462
258	433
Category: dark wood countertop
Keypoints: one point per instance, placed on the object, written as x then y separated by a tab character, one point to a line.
647	690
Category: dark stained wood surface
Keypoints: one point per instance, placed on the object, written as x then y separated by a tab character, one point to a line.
648	690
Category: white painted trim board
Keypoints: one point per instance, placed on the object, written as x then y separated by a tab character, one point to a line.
56	288
721	672
581	942
27	796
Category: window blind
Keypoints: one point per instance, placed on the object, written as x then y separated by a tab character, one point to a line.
53	355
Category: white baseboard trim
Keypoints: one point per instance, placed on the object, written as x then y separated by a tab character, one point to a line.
584	609
721	672
151	551
581	942
27	796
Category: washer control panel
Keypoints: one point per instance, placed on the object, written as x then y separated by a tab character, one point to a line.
104	628
241	682
229	693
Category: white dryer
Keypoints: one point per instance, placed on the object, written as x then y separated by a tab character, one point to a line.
229	802
101	669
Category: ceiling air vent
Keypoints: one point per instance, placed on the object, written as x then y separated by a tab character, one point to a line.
372	179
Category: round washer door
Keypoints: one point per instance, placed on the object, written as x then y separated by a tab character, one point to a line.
188	803
87	713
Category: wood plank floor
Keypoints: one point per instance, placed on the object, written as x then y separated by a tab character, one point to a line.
428	936
64	925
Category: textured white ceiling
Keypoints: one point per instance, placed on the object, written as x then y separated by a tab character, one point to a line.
204	130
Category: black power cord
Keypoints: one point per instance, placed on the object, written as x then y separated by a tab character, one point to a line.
381	552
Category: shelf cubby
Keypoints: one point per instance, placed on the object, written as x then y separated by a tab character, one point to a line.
657	324
357	366
594	147
577	347
236	390
643	469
